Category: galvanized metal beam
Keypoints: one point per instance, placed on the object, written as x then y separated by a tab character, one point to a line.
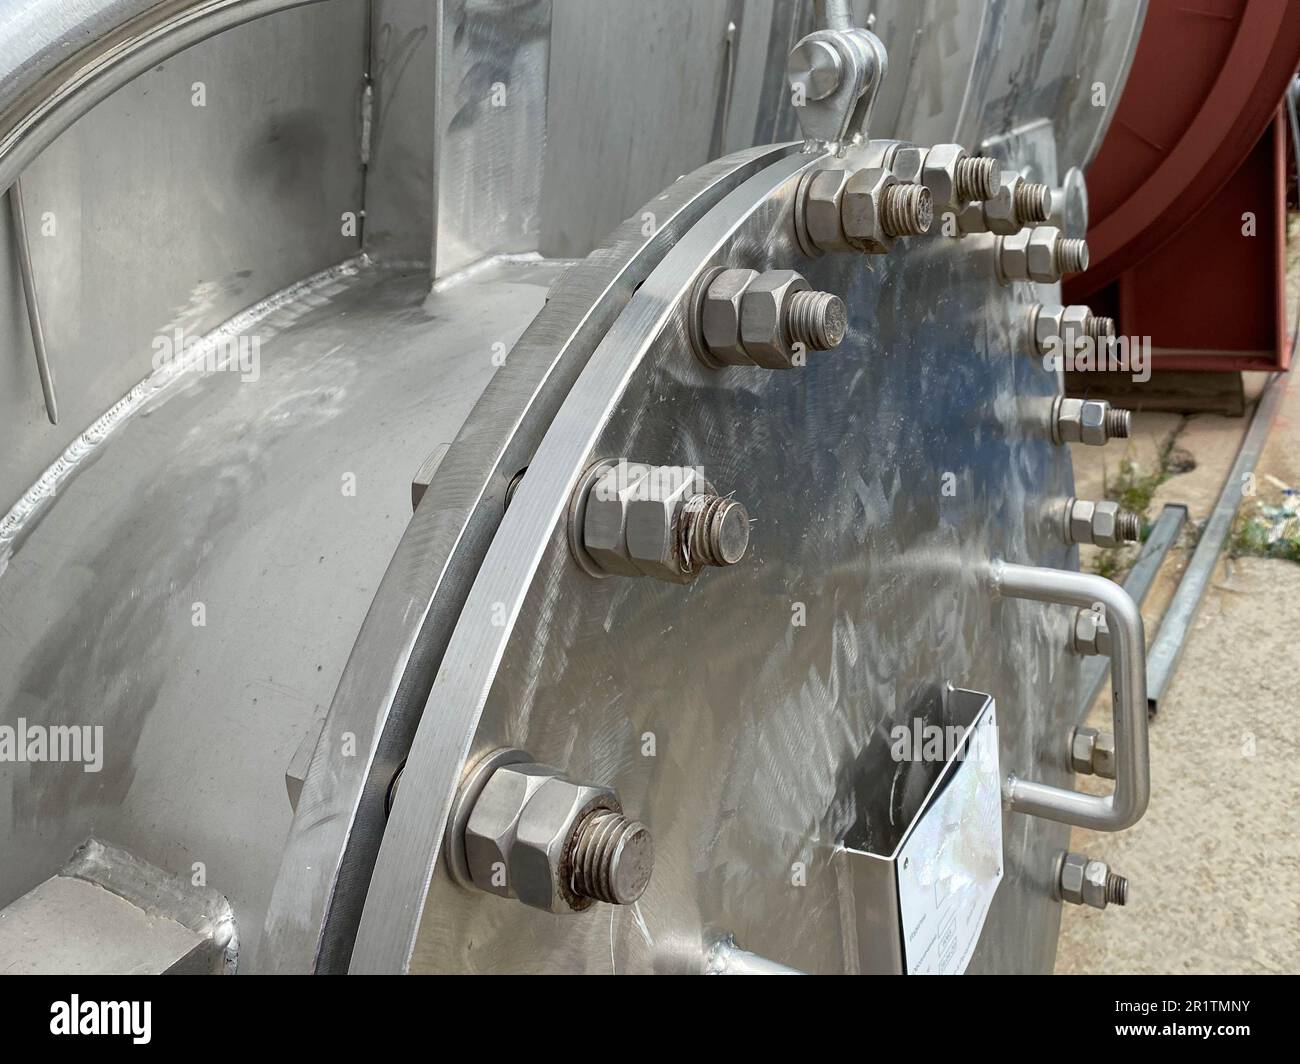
1162	658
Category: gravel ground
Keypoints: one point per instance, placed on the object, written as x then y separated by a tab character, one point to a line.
1214	866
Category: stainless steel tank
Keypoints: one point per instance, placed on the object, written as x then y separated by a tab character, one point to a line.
374	332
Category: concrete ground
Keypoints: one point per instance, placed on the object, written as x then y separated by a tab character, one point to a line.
1214	866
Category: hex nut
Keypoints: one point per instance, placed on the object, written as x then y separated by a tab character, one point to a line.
1080	421
1092	753
1071	879
1094	884
540	859
861	212
1013	257
1081	750
491	830
1074	325
720	316
970	219
1040	255
907	163
1081	881
1105	524
1091	634
1079	518
763	332
1103	755
652	543
939	175
822	202
1000	213
1048	328
1102	523
604	527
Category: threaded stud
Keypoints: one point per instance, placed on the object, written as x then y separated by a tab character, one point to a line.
976	179
818	320
1033	202
1116	889
1101	328
613	857
1071	255
1118	423
906	210
1129	526
714	531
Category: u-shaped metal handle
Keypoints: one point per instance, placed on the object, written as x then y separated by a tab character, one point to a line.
1125	806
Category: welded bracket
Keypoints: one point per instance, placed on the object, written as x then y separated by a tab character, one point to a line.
854	62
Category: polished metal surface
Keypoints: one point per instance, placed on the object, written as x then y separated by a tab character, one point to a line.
643	87
1027	64
726	958
326	866
58	60
153	220
401	188
1103	55
935	48
754	768
107	912
490	120
393	199
195	584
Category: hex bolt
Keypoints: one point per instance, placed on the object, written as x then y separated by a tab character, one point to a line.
630	519
746	318
1103	523
1091	633
953	178
906	210
613	857
1042	255
976	179
1092	753
1015	205
866	210
713	531
1083	881
527	831
1054	327
817	66
1090	421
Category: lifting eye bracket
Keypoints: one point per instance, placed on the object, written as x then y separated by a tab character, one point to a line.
854	61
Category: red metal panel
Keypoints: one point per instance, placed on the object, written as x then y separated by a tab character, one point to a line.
1212	297
1192	149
